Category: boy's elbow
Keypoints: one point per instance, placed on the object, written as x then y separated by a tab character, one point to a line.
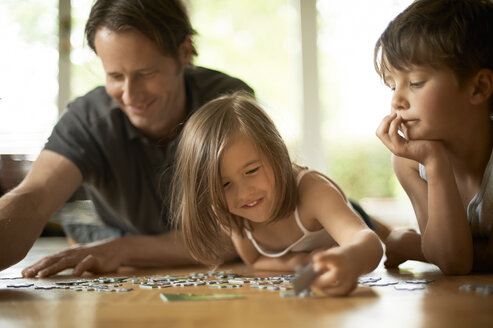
455	268
450	263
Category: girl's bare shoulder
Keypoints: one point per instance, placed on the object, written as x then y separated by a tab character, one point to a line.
317	194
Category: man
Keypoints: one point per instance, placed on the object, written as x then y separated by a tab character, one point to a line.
118	142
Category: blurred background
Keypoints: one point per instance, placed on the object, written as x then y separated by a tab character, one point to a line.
310	63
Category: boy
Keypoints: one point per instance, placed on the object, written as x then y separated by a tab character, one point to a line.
437	58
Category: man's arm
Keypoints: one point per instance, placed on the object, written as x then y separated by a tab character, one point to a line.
167	249
107	256
25	210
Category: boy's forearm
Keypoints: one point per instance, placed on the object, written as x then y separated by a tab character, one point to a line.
446	238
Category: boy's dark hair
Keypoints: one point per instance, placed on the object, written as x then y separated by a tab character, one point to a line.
457	34
165	22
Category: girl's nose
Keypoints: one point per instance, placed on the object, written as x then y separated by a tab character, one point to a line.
245	192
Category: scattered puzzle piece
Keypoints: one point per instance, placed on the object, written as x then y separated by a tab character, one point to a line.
411	287
478	289
205	297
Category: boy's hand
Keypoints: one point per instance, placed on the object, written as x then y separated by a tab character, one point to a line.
395	246
338	275
414	149
401	245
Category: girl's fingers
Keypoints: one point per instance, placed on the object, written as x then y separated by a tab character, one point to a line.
331	283
340	290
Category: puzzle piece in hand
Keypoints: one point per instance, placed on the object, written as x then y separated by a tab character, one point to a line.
304	278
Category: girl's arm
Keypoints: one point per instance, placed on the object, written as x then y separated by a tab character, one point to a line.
254	259
445	234
359	249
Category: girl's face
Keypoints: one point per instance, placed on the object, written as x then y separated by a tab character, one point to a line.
248	180
430	102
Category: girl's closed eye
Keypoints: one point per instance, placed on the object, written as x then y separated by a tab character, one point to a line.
252	171
225	184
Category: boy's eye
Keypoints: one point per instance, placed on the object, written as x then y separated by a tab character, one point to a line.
391	87
417	84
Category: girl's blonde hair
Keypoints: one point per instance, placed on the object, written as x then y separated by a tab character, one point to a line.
198	202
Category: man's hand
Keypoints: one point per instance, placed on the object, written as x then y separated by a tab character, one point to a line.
99	257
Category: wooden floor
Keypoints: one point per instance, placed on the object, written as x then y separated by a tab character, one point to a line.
441	304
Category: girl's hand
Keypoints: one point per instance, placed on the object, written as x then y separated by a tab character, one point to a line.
338	275
417	150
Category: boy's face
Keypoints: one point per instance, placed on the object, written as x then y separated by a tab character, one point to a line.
248	180
430	101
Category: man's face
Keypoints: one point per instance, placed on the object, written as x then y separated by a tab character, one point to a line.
147	85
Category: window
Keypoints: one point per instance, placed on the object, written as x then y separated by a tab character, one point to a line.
258	41
28	74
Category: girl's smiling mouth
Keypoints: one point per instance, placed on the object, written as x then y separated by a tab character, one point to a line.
253	203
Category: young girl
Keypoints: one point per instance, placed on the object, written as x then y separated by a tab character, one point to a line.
437	58
233	173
